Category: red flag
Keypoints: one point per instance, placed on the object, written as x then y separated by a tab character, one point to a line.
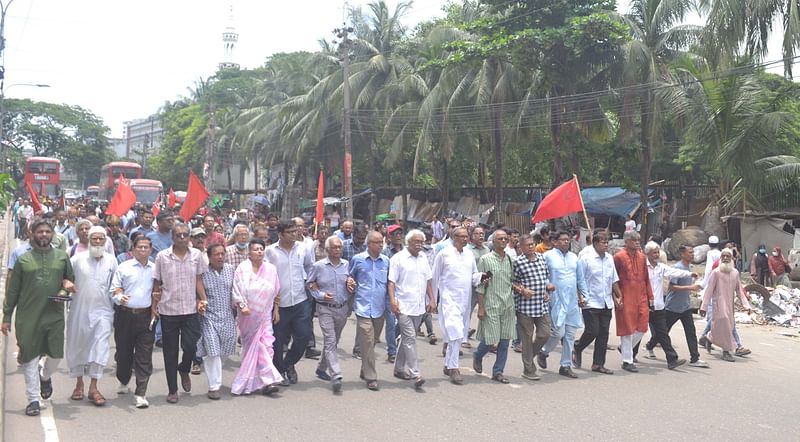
171	198
123	199
196	196
562	200
37	206
157	206
319	217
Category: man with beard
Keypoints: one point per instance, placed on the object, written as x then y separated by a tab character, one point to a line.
723	286
38	274
91	316
637	297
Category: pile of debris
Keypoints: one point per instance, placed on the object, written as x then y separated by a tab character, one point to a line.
778	306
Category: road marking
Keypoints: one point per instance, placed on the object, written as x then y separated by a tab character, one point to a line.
514	386
767	344
49	423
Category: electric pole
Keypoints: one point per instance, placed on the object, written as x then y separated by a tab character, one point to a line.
212	127
344	56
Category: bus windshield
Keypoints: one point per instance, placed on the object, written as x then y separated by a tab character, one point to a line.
127	172
146	195
42	167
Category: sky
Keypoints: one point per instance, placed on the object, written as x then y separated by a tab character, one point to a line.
124	59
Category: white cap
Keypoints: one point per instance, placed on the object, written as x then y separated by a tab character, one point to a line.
713	239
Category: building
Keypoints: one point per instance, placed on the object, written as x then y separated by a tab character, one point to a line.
230	38
142	139
119	146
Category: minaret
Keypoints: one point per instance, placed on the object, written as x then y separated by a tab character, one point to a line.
229	40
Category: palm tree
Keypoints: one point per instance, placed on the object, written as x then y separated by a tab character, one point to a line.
658	35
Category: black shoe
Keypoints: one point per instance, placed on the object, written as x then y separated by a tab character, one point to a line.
285	381
46	388
159	344
291	373
32	409
471	333
337	385
356	354
312	353
577	357
322	375
567	372
391	358
269	390
541	359
630	367
432	339
675	364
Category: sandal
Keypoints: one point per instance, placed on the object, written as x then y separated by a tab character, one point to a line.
77	395
500	378
97	399
602	370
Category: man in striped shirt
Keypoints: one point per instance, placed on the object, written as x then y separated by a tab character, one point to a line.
532	287
495	307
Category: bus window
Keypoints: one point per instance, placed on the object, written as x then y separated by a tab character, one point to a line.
35	167
50	167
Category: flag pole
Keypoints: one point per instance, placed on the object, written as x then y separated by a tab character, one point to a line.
585	215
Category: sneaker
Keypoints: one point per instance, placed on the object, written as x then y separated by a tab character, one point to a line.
517	348
123	389
322	374
391	358
214	395
140	402
337	385
650	354
432	339
699	363
675	364
196	368
356	354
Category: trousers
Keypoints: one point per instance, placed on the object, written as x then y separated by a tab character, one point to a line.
33	375
295	323
183	331
532	341
368	328
566	335
596	323
627	343
407	361
332	321
134	353
660	335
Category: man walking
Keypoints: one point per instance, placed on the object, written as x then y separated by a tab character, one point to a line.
637	297
178	297
410	295
495	307
38	274
602	295
678	305
91	316
723	288
368	276
131	290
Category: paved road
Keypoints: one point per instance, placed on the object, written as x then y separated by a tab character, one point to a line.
752	399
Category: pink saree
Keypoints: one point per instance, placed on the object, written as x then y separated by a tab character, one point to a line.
258	290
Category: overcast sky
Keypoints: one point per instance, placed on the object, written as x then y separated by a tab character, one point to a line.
123	59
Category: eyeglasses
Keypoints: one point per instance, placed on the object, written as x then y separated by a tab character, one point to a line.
112	225
181	235
502	238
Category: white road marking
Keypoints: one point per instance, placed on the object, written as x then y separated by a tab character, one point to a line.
767	344
48	422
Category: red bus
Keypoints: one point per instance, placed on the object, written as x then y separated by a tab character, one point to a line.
147	191
111	172
92	192
44	175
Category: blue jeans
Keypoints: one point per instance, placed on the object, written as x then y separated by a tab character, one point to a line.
708	328
566	335
295	323
502	355
390	332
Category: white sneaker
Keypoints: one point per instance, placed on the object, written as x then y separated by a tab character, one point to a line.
699	363
141	402
650	354
123	389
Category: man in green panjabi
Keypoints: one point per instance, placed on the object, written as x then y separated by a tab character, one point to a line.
42	272
495	307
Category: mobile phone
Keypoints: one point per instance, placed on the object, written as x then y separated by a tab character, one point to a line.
60	298
153	323
486	276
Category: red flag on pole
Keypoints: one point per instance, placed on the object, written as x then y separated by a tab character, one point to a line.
157	206
196	195
171	198
37	206
319	217
562	200
123	199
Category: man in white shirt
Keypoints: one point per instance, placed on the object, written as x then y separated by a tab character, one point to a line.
409	288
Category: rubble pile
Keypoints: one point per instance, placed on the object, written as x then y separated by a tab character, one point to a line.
778	306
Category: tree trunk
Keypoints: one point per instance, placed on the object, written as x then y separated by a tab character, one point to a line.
445	187
373	181
497	141
404	190
555	137
645	165
482	167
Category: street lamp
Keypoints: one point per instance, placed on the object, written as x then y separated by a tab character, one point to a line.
3	115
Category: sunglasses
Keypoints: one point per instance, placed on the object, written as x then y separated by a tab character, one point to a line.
181	235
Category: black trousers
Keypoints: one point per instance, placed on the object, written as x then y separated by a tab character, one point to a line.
660	335
295	324
688	329
183	331
596	322
134	348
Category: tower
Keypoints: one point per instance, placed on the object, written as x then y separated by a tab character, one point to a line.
229	40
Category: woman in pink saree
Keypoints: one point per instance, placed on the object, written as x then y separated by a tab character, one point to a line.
255	295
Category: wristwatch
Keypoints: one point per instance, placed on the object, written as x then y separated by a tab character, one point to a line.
242	305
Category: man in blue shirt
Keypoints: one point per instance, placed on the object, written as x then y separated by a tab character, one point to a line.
162	237
369	273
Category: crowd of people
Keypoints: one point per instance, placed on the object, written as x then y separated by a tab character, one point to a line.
200	287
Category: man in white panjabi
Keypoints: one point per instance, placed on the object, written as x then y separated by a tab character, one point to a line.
454	275
91	316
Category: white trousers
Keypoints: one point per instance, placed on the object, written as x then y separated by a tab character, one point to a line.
92	370
32	376
213	367
451	356
627	343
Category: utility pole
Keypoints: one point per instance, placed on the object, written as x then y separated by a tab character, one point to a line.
3	11
212	127
344	56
